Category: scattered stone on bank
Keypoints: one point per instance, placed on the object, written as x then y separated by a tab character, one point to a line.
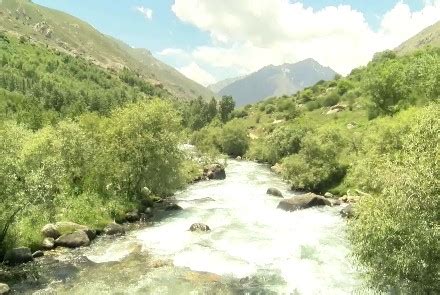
214	171
61	228
133	216
173	207
38	254
4	289
199	227
114	229
148	212
18	256
74	240
48	243
348	211
303	202
329	195
277	168
274	192
145	192
239	158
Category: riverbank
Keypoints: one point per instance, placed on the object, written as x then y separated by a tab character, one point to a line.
252	246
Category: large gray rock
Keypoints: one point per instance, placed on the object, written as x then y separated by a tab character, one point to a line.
18	256
48	243
73	240
303	202
61	228
4	289
173	207
348	211
215	171
200	227
274	192
114	229
133	216
38	254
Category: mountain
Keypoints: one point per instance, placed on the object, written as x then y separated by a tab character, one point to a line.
222	84
277	80
69	34
429	36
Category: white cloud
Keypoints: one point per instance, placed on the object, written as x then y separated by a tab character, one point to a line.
146	12
249	34
196	73
171	52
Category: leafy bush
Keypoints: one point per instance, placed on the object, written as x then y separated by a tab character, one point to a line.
316	166
397	229
234	138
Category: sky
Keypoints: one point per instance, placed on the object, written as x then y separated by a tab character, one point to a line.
211	40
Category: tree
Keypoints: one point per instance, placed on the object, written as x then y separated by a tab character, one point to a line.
227	105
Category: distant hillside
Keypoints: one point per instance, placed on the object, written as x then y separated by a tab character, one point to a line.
69	34
224	83
277	80
429	36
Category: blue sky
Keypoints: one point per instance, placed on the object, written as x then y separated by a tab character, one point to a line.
195	37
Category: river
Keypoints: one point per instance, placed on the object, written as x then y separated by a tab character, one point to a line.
252	248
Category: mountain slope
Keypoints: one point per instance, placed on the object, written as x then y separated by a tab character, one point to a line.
277	80
429	36
69	34
224	83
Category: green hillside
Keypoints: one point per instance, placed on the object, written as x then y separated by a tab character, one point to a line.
71	35
429	36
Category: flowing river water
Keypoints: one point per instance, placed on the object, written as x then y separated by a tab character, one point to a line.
252	248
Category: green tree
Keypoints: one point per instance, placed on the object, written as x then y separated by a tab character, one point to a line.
234	138
227	105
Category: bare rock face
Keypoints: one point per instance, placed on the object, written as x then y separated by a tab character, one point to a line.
274	192
303	202
199	227
73	240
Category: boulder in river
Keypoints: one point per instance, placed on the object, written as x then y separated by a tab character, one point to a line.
173	207
48	243
133	216
38	254
274	192
348	211
215	171
199	227
73	240
114	229
303	202
18	256
4	289
329	195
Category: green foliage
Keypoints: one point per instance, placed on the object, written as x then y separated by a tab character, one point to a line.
90	171
234	138
316	166
227	105
397	229
198	113
40	86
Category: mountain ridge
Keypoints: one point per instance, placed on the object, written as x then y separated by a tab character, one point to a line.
279	80
429	36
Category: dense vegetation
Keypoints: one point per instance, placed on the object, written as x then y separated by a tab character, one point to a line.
79	142
375	133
